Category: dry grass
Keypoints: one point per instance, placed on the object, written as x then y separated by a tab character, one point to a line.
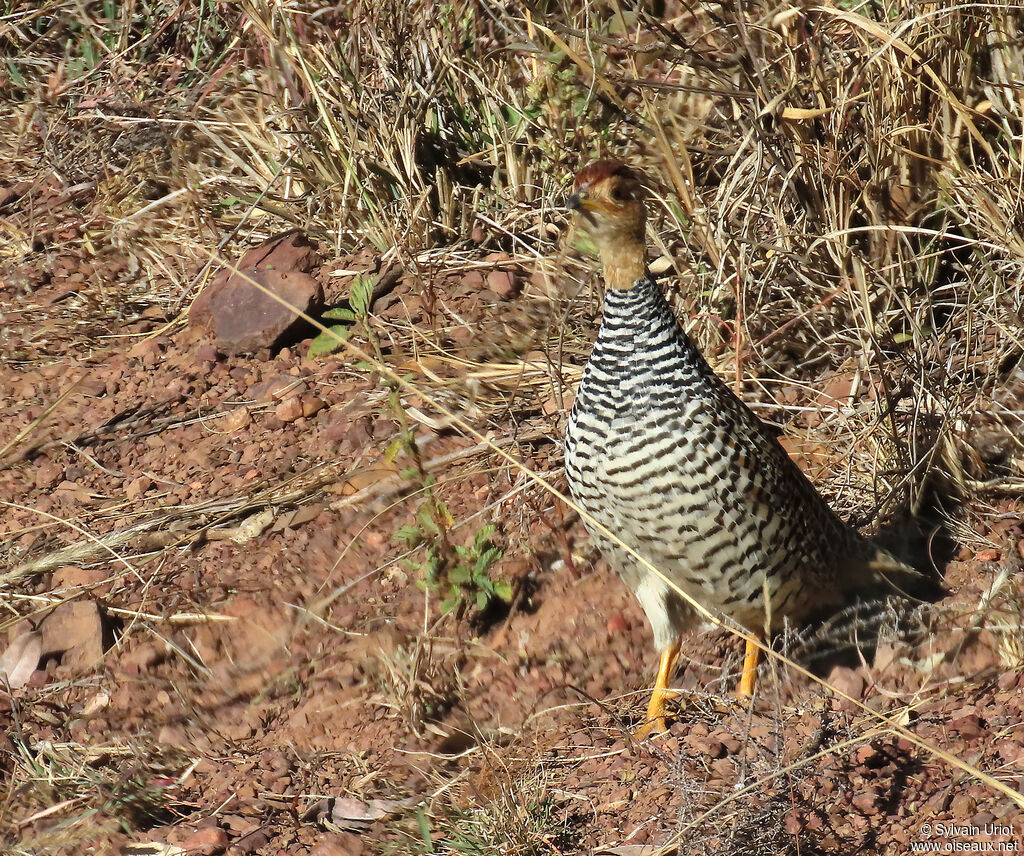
92	790
839	188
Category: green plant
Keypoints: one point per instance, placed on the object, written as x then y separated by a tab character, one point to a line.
429	531
471	576
462	574
355	316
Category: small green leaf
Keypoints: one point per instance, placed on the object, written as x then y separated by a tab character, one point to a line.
394	450
426	520
16	75
459	574
482	536
445	514
89	53
488	558
359	296
340	313
583	244
481	600
409	473
411	535
503	589
327	342
424	825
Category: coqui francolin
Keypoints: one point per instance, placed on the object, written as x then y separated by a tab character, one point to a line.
660	452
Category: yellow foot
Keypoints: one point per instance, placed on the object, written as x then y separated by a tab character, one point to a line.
657	715
651	728
656	712
749	676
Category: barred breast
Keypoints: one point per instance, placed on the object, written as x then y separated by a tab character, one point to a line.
660	452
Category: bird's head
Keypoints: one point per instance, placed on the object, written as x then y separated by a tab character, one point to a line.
609	202
609	207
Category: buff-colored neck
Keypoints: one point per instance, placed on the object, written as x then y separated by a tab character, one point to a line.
623	264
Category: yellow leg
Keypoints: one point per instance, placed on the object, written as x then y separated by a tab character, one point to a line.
749	676
656	708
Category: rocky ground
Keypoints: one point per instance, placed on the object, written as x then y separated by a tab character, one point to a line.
215	640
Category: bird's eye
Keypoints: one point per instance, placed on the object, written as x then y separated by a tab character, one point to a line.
622	193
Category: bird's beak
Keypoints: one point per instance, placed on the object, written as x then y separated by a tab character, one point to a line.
574	202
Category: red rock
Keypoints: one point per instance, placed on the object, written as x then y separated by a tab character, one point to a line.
346	844
137	487
305	514
289	410
243	606
990	555
868	756
288	252
471	281
503	283
75	631
244	318
866	802
73	492
173	735
206	841
19	661
147	348
238	824
235	420
969	726
837	391
140	657
617	624
937	803
249	843
311	405
14	192
205	353
275	387
848	681
72	577
963	806
886	653
47	475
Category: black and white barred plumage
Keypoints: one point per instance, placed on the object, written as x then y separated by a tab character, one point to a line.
663	454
